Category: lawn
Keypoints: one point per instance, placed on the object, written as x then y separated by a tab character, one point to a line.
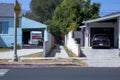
70	53
58	62
5	49
39	54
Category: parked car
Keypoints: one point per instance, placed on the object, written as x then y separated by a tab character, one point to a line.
100	40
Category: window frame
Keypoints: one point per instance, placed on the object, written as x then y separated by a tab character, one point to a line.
2	32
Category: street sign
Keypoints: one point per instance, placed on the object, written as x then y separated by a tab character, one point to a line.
17	10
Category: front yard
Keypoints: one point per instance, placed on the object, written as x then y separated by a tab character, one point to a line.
57	62
5	50
70	53
39	54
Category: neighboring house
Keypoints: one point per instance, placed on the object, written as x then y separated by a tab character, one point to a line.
23	32
109	25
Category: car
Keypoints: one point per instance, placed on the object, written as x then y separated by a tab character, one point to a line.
100	40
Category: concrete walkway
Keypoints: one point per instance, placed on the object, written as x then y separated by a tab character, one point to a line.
22	52
62	53
58	52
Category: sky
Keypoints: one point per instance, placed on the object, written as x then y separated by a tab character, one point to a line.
107	6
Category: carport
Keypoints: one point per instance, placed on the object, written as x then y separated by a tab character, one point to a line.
109	25
107	31
29	26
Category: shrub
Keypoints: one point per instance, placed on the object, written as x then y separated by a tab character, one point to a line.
18	47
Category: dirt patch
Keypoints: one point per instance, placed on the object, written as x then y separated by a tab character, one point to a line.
58	62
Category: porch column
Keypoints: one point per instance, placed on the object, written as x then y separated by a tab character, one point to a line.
86	37
119	32
45	42
45	35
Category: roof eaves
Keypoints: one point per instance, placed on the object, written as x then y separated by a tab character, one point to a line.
101	19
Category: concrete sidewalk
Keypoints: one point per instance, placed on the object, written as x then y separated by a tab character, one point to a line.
58	52
21	52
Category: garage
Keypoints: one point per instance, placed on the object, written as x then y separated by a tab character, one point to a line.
109	25
107	31
28	41
26	37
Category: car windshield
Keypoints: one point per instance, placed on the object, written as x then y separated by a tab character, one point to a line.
101	37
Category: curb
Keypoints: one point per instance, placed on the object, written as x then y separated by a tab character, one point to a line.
36	65
51	58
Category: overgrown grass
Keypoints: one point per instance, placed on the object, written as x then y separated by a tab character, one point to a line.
74	62
39	54
3	61
70	53
57	61
5	49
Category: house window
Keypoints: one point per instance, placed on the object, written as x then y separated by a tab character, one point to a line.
4	27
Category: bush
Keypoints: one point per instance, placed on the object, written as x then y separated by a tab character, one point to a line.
18	47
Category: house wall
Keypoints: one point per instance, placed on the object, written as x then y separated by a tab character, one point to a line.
7	40
119	32
71	44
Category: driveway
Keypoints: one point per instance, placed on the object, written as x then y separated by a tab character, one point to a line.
101	57
99	53
21	52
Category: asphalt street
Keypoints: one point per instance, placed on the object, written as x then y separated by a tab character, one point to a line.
60	73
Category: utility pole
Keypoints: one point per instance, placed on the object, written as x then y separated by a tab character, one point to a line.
17	11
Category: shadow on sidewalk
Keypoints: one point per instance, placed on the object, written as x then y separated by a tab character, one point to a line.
54	51
82	54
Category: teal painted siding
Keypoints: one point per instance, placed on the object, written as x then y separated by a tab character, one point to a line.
7	40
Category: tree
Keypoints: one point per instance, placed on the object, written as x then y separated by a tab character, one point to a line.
66	15
70	14
30	15
90	11
43	9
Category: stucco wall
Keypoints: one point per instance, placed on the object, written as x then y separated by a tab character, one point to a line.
71	44
48	43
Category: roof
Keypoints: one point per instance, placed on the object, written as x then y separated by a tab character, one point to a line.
7	10
28	23
83	26
108	17
113	13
